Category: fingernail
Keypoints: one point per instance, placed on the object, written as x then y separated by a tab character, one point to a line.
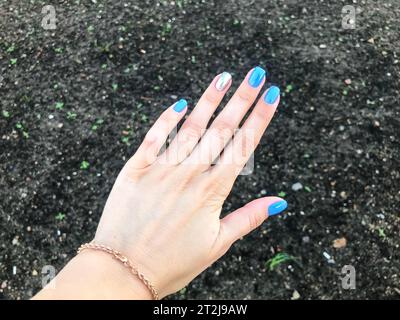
180	105
277	207
223	81
256	77
272	95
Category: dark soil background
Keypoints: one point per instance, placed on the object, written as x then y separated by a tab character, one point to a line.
76	102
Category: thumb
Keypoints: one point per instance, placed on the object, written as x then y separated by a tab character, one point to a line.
245	219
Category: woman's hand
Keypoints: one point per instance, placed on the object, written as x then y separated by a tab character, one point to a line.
164	209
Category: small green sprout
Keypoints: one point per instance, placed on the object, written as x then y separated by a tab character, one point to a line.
115	86
90	29
289	88
10	49
20	127
278	259
13	61
182	291
71	115
96	125
60	216
59	50
236	22
59	105
167	28
84	165
381	233
282	194
104	66
5	114
308	189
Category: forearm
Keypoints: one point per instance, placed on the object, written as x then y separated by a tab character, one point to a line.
95	275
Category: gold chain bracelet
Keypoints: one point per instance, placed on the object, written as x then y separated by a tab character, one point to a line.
125	261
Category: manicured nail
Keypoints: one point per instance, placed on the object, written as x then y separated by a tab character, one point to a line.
277	207
180	105
223	81
272	95
256	77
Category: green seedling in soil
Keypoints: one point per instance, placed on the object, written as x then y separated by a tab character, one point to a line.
144	118
104	66
179	3
58	50
21	128
60	216
193	59
10	49
289	88
381	233
156	88
167	28
71	115
345	92
282	194
182	291
308	189
114	86
59	105
96	125
5	114
13	61
90	29
127	134
84	165
278	259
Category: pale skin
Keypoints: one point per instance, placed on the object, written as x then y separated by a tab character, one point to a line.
164	210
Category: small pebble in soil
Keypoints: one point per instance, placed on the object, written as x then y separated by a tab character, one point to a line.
347	81
297	186
15	241
306	239
263	192
14	270
295	295
328	257
34	273
339	243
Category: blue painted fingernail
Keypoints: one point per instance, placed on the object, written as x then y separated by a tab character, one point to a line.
256	77
277	207
180	105
272	95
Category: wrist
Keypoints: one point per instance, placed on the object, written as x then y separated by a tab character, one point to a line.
94	274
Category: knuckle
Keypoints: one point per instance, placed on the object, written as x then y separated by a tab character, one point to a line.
223	129
245	96
254	220
192	132
211	97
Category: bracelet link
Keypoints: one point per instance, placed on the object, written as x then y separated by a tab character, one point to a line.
125	261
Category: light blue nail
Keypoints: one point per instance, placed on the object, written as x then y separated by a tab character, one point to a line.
180	105
256	77
277	207
272	95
